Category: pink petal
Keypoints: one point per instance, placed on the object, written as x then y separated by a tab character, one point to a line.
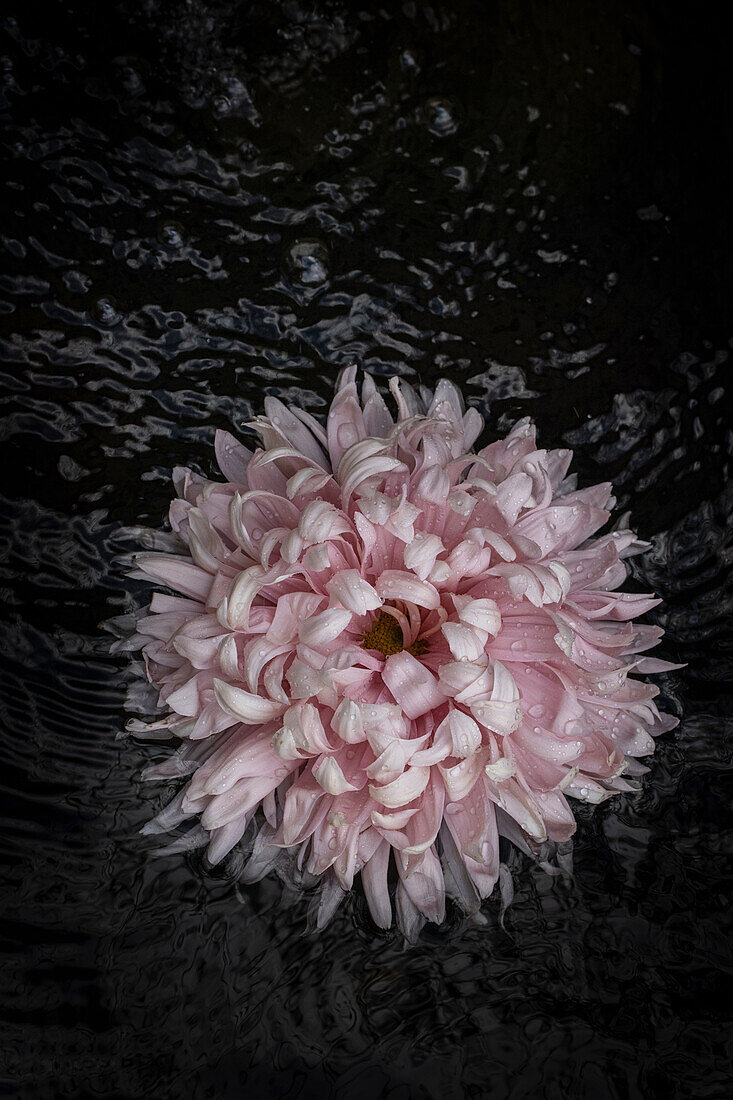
351	590
328	774
249	708
412	685
345	423
420	554
325	627
408	786
182	576
481	613
424	885
394	584
232	457
463	641
376	889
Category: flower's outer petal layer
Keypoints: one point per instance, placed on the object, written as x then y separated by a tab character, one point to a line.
385	647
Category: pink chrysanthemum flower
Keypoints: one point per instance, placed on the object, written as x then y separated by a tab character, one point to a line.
394	648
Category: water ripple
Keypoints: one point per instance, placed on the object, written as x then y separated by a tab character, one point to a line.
206	202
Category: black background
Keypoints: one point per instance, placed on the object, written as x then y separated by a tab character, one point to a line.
554	235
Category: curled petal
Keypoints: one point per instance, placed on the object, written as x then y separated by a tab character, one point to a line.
466	643
319	521
394	584
292	610
464	732
326	627
434	486
249	708
503	768
353	592
408	786
420	554
308	480
397	820
482	613
460	778
391	761
328	774
413	686
241	594
502	711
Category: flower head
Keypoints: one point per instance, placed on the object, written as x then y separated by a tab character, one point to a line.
385	646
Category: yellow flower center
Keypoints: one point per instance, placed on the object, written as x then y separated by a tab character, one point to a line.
385	635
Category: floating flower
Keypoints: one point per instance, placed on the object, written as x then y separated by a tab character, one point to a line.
385	647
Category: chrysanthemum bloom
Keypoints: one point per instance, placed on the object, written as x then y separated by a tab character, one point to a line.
388	647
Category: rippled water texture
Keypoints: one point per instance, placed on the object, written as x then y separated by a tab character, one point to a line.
204	203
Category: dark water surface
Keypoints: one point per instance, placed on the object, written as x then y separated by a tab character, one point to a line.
207	202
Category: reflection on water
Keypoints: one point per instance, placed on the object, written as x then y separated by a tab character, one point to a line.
208	202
